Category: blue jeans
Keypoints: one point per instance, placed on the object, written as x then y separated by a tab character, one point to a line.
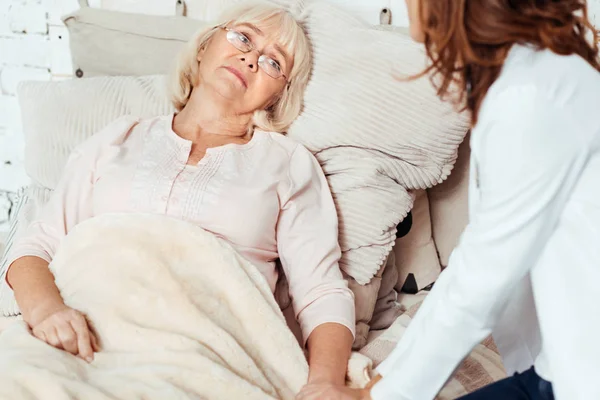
527	385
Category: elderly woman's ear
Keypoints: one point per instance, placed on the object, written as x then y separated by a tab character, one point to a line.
200	53
271	105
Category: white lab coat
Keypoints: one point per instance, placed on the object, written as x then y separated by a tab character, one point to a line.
527	267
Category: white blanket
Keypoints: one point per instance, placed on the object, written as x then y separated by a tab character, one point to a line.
179	315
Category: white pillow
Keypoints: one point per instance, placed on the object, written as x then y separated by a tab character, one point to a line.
376	136
57	116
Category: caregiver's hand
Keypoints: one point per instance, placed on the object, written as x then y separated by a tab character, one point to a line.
66	329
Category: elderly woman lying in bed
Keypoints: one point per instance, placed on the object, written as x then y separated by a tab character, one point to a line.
219	162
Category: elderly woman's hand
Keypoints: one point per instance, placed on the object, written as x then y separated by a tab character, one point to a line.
66	329
329	391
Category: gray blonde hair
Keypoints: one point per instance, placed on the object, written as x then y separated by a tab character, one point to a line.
279	116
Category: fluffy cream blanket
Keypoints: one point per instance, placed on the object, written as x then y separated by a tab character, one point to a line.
179	315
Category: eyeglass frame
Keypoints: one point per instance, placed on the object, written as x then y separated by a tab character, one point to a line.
253	48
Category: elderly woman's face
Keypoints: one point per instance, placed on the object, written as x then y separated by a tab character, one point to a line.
245	65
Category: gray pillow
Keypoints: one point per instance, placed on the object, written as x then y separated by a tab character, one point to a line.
105	42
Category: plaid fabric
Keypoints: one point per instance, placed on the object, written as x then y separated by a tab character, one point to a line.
29	200
482	367
8	305
14	224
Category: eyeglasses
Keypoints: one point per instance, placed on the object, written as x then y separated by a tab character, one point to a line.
245	45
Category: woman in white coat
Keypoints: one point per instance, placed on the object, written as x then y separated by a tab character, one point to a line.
527	268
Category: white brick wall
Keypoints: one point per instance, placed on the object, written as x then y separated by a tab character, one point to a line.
153	7
28	18
34	45
57	8
31	50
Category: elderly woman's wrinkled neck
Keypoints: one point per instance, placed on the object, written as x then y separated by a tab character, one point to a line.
207	114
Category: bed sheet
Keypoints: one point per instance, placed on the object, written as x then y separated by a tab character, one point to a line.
482	367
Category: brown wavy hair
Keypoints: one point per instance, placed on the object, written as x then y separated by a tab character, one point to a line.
467	40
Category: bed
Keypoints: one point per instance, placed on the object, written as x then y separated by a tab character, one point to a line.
439	215
481	367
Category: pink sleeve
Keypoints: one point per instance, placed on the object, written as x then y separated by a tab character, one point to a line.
69	204
307	240
71	201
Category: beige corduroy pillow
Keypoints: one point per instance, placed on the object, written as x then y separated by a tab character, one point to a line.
377	137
